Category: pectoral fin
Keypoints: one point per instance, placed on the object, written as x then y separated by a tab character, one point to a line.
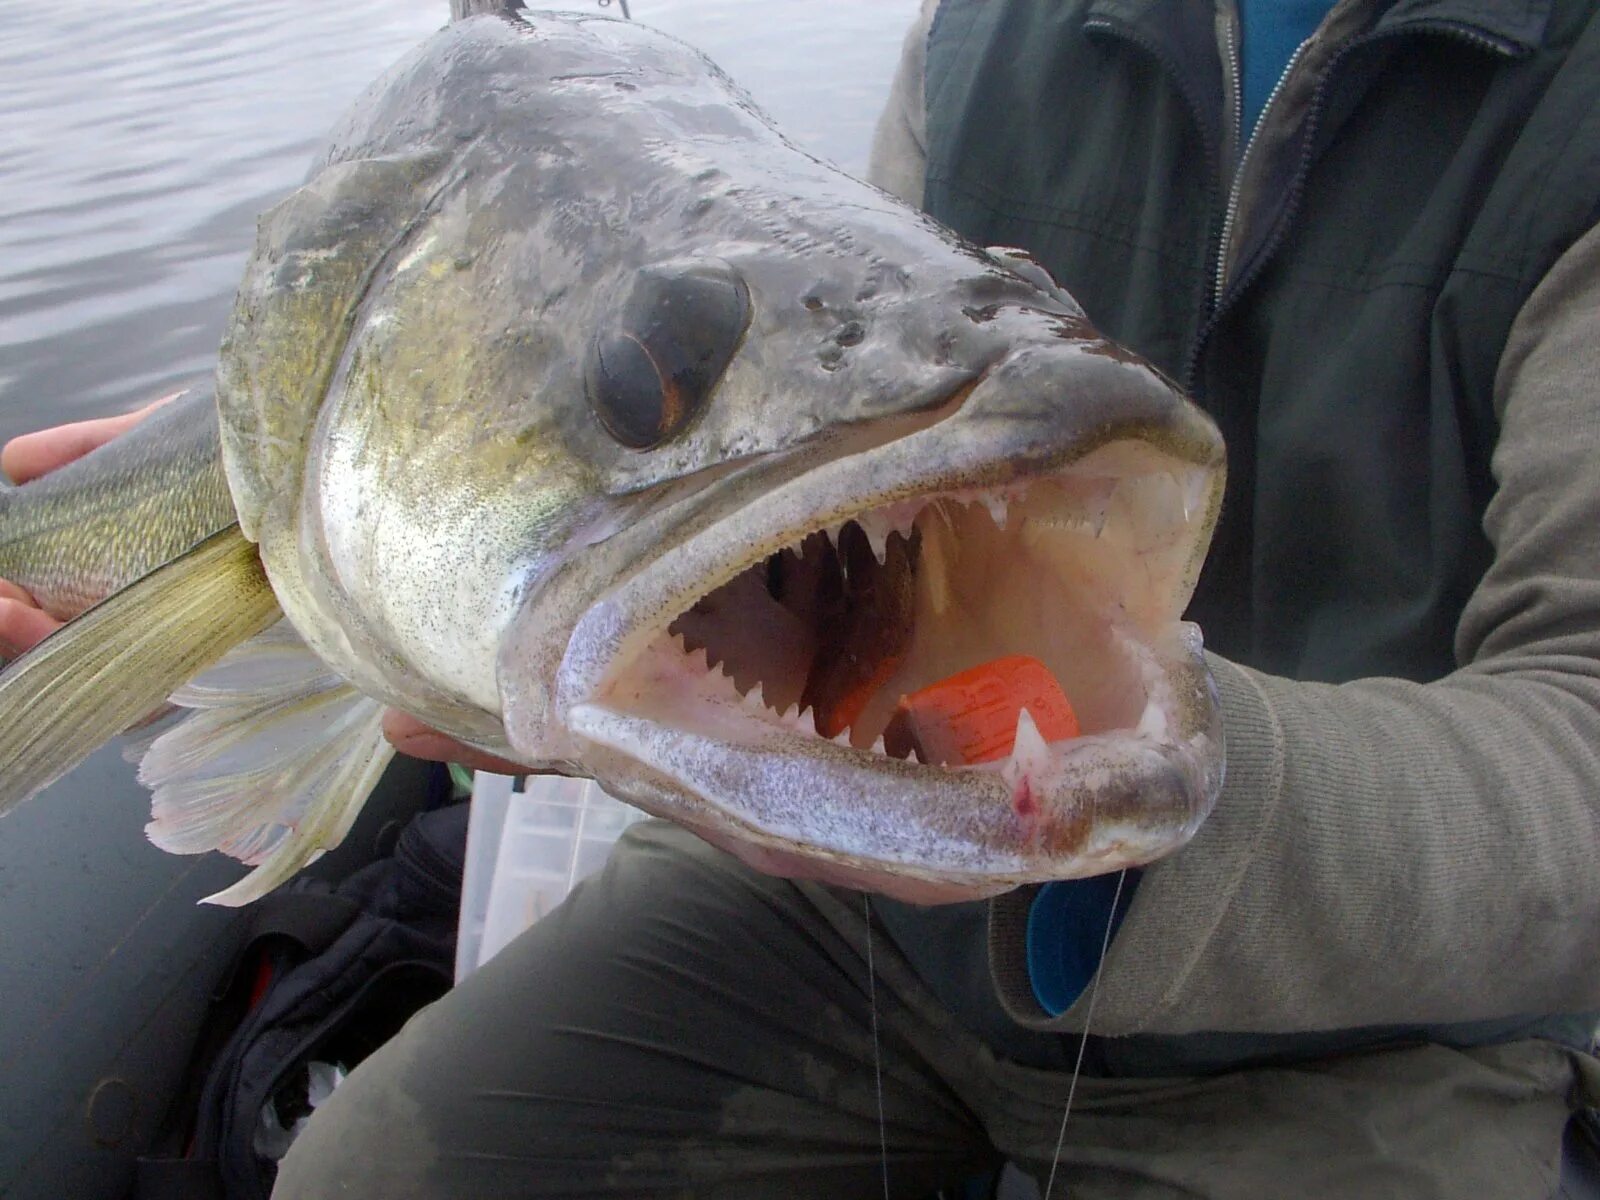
120	660
271	764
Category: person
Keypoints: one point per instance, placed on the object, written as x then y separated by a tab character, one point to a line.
1362	234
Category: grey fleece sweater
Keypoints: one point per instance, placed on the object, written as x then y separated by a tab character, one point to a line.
1386	852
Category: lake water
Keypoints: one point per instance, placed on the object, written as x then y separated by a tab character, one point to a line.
139	141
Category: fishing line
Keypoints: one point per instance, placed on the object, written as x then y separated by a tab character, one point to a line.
1083	1042
877	1058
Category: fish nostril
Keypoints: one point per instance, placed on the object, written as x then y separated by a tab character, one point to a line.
850	333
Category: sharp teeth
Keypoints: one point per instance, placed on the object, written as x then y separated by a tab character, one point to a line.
997	508
878	539
900	517
879	523
934	573
1192	485
1029	752
842	739
905	522
879	748
1178	489
722	682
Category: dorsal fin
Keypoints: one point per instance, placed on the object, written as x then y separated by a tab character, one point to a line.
462	9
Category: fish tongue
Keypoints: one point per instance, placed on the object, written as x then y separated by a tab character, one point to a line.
863	645
972	716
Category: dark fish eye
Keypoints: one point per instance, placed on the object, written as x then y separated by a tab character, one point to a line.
656	363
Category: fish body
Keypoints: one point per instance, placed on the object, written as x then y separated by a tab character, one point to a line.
76	535
574	410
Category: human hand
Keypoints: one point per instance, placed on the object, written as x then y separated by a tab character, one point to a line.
411	736
35	454
23	624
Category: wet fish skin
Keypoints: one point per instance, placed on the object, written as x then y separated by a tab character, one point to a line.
512	180
76	535
413	433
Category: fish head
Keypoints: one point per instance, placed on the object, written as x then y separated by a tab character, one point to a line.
1039	493
651	448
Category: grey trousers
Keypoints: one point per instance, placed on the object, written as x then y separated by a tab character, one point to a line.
684	1027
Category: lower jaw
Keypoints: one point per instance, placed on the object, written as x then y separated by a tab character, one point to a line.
937	824
688	745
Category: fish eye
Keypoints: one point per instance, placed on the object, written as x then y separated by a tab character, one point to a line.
652	369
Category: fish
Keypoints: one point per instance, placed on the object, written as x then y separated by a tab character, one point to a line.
573	409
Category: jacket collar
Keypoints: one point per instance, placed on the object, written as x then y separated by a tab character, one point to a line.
1515	26
1185	29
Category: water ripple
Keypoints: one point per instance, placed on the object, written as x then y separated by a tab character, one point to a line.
139	141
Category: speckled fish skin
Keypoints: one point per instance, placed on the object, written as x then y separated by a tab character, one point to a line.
79	533
408	435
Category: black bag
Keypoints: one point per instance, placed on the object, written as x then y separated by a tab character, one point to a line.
327	975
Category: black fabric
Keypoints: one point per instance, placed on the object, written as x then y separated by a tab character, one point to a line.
177	1179
684	1027
328	974
680	1026
1450	152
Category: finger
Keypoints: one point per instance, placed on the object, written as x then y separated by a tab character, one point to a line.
10	591
22	627
411	736
34	454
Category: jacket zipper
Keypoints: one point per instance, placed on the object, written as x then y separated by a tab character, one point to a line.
1297	182
1236	91
1231	214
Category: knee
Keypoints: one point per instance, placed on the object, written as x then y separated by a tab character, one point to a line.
368	1140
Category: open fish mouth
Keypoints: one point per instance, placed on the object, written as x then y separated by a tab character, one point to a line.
777	696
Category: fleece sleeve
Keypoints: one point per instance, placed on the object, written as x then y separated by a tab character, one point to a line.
1390	852
899	157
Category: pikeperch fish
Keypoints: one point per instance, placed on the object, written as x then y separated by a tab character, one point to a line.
572	409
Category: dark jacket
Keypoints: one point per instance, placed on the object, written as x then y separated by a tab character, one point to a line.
1338	295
